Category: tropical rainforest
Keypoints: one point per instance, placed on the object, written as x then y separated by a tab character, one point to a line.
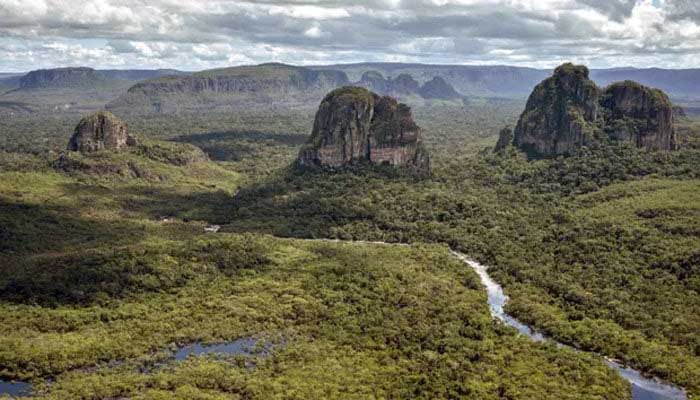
107	267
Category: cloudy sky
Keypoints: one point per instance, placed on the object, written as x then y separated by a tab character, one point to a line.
198	34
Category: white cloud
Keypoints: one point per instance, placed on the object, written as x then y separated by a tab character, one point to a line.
194	34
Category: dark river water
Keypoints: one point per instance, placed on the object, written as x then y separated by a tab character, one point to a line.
643	388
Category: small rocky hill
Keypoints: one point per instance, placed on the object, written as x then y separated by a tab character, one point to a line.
568	111
404	85
100	131
438	88
354	125
274	84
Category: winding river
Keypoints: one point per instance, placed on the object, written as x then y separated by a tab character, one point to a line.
643	388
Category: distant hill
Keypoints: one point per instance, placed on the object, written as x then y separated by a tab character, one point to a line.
72	89
483	81
405	86
517	82
9	82
680	84
271	84
62	78
84	89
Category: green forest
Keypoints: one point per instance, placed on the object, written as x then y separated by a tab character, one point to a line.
106	267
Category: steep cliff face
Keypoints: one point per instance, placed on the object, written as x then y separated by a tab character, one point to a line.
638	114
100	131
355	125
224	88
567	111
560	114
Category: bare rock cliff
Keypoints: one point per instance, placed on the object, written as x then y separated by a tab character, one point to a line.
100	131
568	111
354	125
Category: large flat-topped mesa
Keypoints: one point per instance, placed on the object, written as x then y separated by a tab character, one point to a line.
568	111
354	125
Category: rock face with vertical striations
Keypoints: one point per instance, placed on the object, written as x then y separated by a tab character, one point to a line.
100	131
560	114
568	111
354	125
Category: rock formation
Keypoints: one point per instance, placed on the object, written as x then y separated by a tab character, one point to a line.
404	86
375	82
505	137
560	114
354	125
568	111
638	114
100	131
438	88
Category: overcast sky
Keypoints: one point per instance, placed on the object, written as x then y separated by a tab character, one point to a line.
199	34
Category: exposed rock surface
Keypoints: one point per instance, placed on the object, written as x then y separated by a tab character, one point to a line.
560	114
505	137
355	125
638	114
100	131
568	111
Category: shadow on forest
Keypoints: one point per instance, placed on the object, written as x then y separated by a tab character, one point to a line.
31	229
233	145
44	256
309	203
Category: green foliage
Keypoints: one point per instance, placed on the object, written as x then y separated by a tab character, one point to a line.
352	321
103	273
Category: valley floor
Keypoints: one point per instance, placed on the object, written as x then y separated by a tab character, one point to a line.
107	268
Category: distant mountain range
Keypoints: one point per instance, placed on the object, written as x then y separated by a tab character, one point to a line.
273	84
270	84
74	89
517	82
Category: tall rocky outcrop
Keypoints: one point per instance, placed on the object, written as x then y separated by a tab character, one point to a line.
354	125
100	131
560	114
638	114
568	111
